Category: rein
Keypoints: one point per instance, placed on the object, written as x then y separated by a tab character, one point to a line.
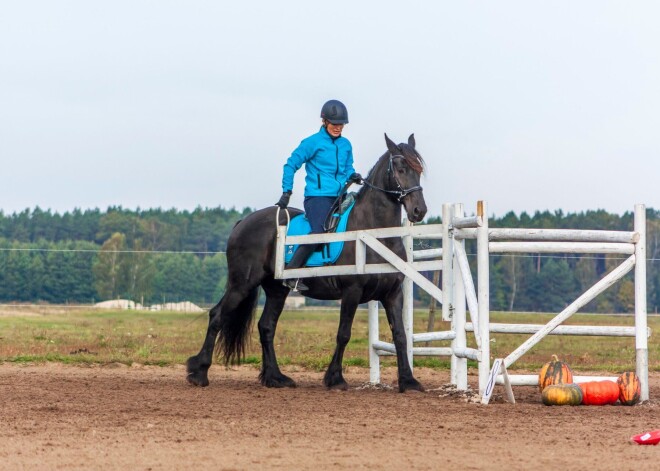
400	193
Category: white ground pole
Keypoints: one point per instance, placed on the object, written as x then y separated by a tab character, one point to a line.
641	329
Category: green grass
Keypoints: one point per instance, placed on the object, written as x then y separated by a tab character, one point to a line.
304	338
157	338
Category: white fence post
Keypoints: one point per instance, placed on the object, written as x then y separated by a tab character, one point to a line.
374	358
447	263
483	280
458	365
408	320
448	282
641	342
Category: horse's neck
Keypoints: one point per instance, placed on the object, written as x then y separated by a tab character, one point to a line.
374	210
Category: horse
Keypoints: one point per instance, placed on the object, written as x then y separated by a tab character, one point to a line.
394	181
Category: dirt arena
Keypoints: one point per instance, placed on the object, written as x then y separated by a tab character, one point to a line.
148	418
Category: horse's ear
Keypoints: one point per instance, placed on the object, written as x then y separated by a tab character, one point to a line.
391	146
411	140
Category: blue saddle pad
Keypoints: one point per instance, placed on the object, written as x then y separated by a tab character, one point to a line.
329	254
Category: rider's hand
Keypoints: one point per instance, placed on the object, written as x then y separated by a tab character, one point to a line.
355	178
284	200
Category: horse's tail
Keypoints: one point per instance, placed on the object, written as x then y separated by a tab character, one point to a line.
235	327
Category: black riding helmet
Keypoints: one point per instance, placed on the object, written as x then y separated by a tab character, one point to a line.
335	112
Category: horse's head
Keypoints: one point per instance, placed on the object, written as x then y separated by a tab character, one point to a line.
404	170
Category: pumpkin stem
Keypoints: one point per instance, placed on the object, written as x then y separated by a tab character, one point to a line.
554	358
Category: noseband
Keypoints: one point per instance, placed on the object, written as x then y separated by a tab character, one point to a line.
400	193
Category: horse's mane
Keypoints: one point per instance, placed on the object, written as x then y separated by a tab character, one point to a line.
410	155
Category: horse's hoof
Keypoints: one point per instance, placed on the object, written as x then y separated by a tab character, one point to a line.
277	381
341	386
410	385
197	376
335	380
198	379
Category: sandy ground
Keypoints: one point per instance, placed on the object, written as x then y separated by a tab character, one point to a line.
148	418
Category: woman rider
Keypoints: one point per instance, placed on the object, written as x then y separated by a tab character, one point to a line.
328	159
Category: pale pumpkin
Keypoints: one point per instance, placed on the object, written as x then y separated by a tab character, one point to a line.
562	395
630	388
554	372
599	393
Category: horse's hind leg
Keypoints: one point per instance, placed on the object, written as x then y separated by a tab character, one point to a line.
393	304
270	375
197	366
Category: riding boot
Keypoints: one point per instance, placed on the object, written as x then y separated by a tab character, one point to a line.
298	261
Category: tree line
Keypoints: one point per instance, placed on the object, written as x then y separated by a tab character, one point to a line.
149	256
156	255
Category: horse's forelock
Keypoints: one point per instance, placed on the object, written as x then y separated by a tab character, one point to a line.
412	157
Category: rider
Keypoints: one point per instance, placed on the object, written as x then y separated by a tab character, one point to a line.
328	159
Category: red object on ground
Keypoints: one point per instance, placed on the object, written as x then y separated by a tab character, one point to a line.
648	438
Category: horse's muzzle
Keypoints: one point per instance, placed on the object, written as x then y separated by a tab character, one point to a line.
416	213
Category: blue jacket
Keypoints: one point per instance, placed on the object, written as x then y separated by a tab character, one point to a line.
328	163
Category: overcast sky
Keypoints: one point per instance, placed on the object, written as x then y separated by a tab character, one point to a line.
528	105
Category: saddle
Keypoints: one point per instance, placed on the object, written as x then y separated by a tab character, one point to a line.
337	221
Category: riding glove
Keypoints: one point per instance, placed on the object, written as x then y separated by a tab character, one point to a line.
355	178
284	200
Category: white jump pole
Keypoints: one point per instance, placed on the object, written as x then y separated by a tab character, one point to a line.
641	342
483	279
568	235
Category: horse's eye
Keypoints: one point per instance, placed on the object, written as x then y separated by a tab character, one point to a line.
401	170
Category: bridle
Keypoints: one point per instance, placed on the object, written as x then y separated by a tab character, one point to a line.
400	193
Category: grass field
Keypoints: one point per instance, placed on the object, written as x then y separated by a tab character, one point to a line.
305	338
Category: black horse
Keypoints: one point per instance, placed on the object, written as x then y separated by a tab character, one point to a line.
392	182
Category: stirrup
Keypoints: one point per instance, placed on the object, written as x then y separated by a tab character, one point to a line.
295	285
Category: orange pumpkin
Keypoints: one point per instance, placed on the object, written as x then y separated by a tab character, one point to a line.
630	388
599	393
554	372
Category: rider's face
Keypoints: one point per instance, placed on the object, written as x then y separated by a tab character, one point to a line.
334	129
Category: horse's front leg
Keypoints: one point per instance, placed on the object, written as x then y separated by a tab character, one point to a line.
270	375
393	304
334	379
